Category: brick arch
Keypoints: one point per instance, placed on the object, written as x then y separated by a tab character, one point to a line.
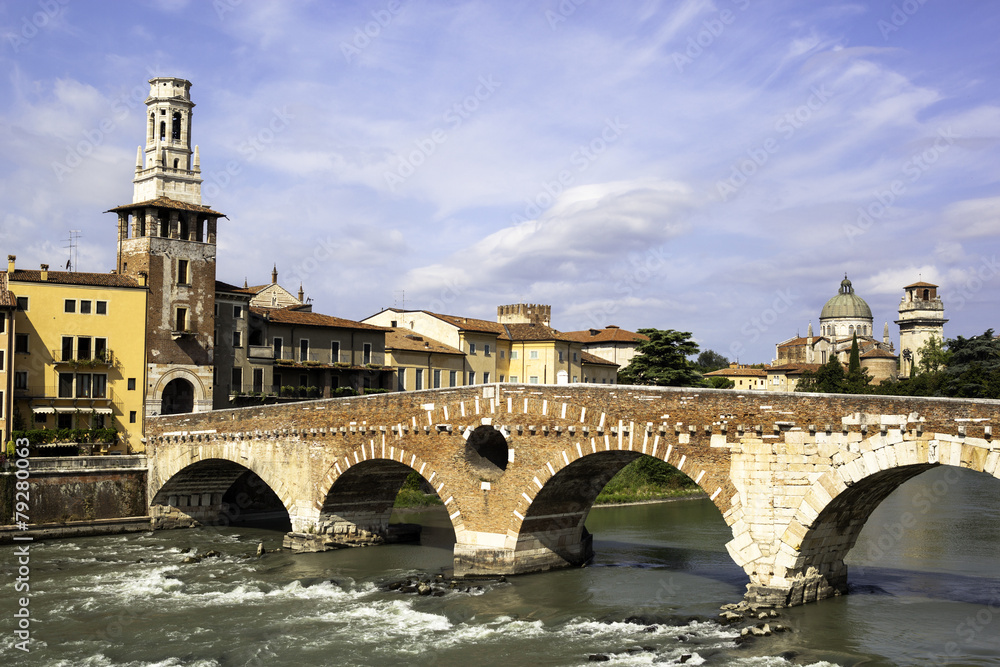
812	549
155	396
385	451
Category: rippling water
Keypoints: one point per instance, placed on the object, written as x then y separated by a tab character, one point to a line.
925	591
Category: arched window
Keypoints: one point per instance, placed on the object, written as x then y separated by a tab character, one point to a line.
178	397
927	295
151	132
163	130
175	133
851	329
176	162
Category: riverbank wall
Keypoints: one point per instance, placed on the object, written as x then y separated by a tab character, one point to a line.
74	496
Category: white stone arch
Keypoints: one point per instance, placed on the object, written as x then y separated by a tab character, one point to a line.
809	562
202	394
173	461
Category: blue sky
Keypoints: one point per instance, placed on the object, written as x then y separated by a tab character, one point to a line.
713	167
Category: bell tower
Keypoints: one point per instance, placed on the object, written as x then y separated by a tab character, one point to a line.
167	241
167	167
921	317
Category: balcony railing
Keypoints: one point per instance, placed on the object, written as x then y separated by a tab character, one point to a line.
329	358
53	392
101	358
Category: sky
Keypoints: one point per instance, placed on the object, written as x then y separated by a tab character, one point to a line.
710	167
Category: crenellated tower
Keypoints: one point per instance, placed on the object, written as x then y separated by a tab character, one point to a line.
167	238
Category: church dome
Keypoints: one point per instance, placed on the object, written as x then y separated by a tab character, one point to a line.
846	304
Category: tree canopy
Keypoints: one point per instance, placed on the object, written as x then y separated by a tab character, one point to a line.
710	360
663	360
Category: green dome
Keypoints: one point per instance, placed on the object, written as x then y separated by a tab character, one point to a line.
846	304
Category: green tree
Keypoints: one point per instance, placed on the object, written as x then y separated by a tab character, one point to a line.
933	356
710	360
857	379
827	379
720	383
663	360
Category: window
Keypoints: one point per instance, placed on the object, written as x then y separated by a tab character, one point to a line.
101	349
335	351
131	384
22	303
182	272
83	385
21	343
561	357
576	357
3	323
472	348
102	307
277	380
452	378
502	353
419	381
401	380
41	418
67	348
65	385
303	349
576	378
533	379
100	385
181	320
237	312
501	377
472	377
276	343
64	420
486	349
131	417
486	377
85	307
513	354
533	354
367	353
237	339
513	378
69	306
258	379
237	379
20	379
437	378
83	348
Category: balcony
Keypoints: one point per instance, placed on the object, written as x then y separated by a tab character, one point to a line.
99	396
100	359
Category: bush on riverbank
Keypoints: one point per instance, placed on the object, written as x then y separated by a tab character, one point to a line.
415	493
646	478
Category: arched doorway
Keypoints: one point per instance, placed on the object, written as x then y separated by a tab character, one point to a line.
178	397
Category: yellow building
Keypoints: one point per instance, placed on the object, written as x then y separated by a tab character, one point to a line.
79	354
422	362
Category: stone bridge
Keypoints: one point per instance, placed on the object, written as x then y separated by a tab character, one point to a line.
795	476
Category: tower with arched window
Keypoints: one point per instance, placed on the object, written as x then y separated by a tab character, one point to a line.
167	239
921	317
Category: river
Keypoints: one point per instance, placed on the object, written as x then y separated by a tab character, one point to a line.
925	583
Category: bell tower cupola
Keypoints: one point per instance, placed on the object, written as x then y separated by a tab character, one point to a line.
168	166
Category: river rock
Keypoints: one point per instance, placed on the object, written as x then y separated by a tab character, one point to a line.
599	657
423	589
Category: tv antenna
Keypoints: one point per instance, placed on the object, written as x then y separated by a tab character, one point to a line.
74	239
399	299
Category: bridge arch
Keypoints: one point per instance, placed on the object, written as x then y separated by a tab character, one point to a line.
198	490
810	563
360	488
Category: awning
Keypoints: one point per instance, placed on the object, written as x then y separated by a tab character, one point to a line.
65	410
103	411
43	410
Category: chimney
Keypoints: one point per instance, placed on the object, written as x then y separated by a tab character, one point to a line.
274	276
45	272
302	295
10	263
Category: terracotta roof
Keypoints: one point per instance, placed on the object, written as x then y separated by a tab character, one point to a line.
471	324
738	372
794	369
588	358
534	332
166	202
609	334
292	315
75	278
396	339
878	353
226	287
801	340
7	298
920	284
